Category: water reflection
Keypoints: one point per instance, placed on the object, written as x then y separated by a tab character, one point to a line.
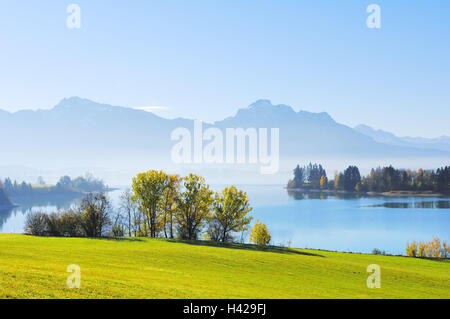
440	204
300	195
44	204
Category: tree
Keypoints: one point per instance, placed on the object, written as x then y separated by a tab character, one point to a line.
94	214
128	207
260	234
36	224
323	182
168	205
40	180
148	189
299	176
231	208
193	206
351	178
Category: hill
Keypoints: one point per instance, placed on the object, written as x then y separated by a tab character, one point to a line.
32	267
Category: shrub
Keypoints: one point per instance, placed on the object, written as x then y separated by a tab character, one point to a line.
69	223
91	219
411	250
376	251
53	225
422	249
260	234
431	249
36	224
117	230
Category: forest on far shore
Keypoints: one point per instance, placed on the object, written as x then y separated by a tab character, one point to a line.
381	179
65	186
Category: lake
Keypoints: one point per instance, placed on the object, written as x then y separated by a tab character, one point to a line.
342	223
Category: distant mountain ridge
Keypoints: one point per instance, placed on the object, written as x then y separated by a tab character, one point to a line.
440	143
80	132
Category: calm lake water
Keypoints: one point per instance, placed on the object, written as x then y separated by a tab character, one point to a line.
357	224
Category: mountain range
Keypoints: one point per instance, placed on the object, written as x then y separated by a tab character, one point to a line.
79	132
440	143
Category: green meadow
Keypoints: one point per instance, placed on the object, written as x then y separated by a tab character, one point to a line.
35	267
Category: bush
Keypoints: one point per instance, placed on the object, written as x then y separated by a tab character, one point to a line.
431	249
53	225
91	219
260	234
411	250
376	251
69	222
36	224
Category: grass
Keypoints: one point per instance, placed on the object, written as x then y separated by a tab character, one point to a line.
35	267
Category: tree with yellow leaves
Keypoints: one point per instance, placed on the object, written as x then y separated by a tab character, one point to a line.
323	182
260	234
168	205
148	189
231	208
194	205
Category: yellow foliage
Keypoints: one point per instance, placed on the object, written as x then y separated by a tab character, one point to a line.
431	249
260	234
411	250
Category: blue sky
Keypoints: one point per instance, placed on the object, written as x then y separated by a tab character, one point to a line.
205	59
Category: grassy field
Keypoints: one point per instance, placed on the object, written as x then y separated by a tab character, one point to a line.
32	267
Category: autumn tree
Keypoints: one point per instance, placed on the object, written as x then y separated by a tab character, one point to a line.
323	182
148	189
260	234
193	206
231	208
168	204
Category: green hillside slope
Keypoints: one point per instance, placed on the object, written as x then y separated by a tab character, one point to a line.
32	267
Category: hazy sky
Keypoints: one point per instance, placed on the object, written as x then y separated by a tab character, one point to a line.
205	59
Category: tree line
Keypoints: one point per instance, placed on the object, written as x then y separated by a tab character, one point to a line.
82	184
158	205
381	179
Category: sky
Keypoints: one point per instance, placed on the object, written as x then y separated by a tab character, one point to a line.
206	59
